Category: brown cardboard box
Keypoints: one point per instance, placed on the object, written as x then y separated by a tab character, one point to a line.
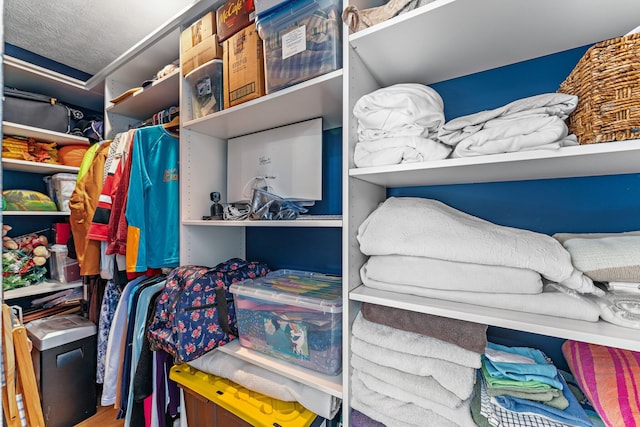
201	53
198	31
243	67
233	16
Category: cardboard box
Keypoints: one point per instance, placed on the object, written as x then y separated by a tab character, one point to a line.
243	67
203	52
198	31
233	16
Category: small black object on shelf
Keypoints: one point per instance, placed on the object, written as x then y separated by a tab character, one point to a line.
216	207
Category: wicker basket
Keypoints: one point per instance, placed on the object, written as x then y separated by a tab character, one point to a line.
607	83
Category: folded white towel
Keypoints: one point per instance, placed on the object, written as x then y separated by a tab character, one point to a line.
410	383
451	275
413	343
551	302
392	412
259	379
460	416
394	107
455	378
429	228
396	150
551	104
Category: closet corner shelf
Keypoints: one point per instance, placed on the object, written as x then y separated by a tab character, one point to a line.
331	385
318	97
328	221
41	288
607	158
600	332
35	167
500	25
9	128
34	213
161	94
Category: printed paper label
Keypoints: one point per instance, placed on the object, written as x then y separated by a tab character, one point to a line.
294	42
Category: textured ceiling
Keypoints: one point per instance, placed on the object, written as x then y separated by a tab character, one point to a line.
84	34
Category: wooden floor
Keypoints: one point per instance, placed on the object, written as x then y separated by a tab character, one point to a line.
105	417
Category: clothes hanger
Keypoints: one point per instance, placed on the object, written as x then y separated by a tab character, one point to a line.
173	125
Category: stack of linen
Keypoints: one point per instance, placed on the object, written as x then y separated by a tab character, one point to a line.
399	124
519	386
533	123
613	259
423	247
419	373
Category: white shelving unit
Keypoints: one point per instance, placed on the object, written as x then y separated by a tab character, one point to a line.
439	42
34	167
41	288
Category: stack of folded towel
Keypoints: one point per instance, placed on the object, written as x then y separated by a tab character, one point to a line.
519	386
533	123
614	260
399	124
414	373
423	247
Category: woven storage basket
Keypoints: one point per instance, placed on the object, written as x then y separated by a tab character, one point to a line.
607	83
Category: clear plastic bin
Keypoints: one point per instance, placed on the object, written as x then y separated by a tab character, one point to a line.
293	315
302	40
206	88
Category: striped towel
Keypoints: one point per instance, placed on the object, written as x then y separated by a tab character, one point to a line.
609	377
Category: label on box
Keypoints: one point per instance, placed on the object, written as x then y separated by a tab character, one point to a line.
294	42
203	87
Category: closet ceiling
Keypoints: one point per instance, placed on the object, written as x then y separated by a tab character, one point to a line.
85	35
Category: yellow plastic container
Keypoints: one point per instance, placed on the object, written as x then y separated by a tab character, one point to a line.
252	407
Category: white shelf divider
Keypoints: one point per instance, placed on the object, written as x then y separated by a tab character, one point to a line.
41	288
9	128
35	167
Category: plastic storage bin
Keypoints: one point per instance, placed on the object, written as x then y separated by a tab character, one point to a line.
64	361
292	315
62	268
206	88
218	402
302	40
60	187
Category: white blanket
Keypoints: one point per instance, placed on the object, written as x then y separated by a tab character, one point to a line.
412	343
550	104
393	412
551	302
398	149
429	228
415	384
450	275
266	382
394	107
455	378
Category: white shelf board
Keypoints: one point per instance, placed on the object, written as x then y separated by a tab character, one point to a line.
59	138
35	167
41	288
600	332
34	213
318	97
329	384
324	222
610	158
32	78
450	38
158	96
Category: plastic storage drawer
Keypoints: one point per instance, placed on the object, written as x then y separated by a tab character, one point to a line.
293	315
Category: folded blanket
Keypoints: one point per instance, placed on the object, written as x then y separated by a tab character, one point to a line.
416	384
266	382
437	273
469	335
398	149
541	370
609	377
358	419
455	378
429	228
392	412
605	257
551	104
461	415
412	343
392	108
553	301
539	133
